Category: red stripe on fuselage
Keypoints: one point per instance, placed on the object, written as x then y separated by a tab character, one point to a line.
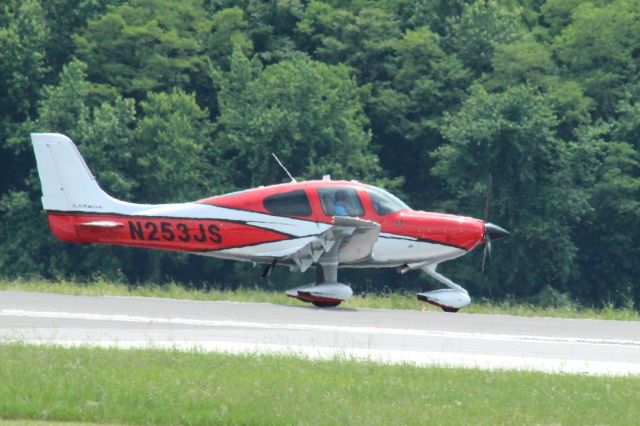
178	234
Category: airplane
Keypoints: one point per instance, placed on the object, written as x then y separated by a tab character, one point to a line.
324	224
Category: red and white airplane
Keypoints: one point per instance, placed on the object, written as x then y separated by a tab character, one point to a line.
322	223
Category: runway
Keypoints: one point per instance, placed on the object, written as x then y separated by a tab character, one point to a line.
388	336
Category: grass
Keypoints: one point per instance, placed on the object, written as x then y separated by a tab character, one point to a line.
26	422
387	301
171	387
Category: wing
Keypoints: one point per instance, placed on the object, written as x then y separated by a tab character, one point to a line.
350	239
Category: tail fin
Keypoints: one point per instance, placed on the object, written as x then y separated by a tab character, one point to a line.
67	183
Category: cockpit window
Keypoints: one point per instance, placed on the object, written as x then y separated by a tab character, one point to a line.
383	202
292	203
340	202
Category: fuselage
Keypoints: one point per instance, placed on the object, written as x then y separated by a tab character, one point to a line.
256	224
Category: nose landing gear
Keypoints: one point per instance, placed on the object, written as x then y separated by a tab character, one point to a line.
448	299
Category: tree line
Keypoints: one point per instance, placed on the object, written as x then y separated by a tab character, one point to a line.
173	101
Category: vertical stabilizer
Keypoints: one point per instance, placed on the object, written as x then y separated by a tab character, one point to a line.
67	183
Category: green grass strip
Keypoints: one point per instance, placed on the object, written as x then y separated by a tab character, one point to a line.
171	387
27	422
387	301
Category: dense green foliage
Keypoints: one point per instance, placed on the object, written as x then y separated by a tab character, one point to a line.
111	386
178	100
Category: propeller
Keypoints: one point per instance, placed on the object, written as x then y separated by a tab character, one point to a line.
487	216
491	231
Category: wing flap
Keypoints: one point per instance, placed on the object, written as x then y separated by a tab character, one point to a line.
354	239
358	244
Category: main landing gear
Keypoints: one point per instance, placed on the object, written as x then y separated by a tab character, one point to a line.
327	292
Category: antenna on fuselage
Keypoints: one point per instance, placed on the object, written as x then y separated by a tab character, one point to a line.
284	168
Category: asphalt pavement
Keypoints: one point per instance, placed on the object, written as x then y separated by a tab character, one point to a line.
388	336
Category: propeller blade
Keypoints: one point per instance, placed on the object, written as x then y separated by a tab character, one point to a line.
484	258
485	252
491	231
487	217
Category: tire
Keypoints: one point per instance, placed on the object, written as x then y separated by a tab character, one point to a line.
326	304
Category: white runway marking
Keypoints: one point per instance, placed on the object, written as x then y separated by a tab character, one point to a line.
314	327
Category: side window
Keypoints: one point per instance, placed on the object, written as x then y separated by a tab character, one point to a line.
292	203
340	202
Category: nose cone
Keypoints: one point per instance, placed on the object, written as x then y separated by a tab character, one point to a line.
494	232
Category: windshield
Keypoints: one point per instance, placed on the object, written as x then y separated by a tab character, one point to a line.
384	202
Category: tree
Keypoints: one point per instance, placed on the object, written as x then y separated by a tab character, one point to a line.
430	13
627	125
307	112
66	18
22	66
609	226
170	151
270	25
228	32
522	62
530	62
556	14
405	109
362	39
600	51
65	104
22	71
511	135
483	25
147	45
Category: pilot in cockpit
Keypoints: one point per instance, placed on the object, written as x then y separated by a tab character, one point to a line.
340	203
